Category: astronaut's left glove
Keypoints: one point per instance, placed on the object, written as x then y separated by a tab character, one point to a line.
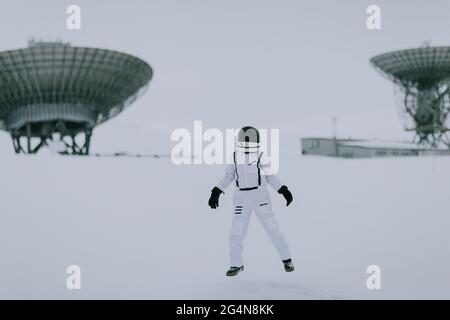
214	199
286	194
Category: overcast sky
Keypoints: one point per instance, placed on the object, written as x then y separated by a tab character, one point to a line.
290	65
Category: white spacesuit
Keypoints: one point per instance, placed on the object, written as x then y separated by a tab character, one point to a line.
251	194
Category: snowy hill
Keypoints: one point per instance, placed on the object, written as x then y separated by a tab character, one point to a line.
141	228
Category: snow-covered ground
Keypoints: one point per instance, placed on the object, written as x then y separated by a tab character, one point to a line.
141	228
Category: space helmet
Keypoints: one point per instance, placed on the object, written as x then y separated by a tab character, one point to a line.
248	140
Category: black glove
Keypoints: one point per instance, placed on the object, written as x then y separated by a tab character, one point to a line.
214	199
286	194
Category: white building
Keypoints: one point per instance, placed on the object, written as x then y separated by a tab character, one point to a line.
355	148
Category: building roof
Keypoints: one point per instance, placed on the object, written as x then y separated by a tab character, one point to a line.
374	144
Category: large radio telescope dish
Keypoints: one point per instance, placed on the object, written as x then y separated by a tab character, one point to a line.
423	75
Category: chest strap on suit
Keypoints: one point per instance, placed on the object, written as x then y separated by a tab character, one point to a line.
237	175
248	189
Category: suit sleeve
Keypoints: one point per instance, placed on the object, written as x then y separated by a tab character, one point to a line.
269	175
228	178
274	182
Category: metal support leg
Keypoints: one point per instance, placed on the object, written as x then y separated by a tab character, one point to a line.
87	142
16	143
28	137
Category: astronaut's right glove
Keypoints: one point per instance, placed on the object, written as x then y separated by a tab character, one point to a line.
214	199
286	194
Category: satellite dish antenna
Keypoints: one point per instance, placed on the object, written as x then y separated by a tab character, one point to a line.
422	74
90	96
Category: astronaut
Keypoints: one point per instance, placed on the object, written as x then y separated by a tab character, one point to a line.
251	194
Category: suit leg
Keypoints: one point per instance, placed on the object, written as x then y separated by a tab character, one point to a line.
239	227
265	215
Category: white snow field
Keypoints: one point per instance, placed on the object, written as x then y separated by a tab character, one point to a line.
141	228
